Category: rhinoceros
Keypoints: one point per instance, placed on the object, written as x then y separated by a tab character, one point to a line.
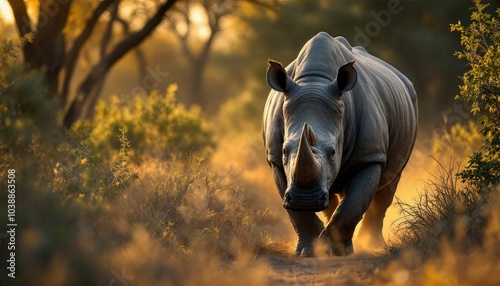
339	126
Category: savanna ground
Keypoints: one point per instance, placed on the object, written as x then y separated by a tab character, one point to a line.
152	192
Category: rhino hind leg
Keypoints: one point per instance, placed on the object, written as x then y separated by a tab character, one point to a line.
373	220
308	227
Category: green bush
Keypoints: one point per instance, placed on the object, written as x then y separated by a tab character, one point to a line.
481	89
158	127
458	142
26	111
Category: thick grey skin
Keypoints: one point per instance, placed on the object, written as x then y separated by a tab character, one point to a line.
372	128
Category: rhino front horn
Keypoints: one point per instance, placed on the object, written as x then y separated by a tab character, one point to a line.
306	170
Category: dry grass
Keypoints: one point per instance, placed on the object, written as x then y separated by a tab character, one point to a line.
432	212
453	260
449	234
180	224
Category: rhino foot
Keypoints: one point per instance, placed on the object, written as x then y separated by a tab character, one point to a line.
341	249
304	252
336	248
304	248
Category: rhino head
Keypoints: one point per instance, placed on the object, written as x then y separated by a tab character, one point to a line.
313	114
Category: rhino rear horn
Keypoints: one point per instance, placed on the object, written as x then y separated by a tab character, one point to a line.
306	170
311	137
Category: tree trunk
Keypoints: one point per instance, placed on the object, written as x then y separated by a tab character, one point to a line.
46	48
88	91
197	94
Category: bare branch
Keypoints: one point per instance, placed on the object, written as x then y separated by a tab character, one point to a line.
78	45
273	5
106	37
139	54
183	37
86	97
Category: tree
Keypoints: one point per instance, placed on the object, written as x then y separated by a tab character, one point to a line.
481	89
48	47
196	48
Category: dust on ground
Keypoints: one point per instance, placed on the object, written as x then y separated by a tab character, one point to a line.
357	269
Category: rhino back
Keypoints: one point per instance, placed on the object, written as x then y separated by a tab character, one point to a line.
381	112
320	58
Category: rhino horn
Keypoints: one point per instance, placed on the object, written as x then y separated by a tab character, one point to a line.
306	170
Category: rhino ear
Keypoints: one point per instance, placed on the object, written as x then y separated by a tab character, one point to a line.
346	77
277	78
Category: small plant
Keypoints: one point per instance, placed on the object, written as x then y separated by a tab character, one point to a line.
119	177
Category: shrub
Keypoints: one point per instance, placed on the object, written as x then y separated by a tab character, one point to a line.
481	88
26	111
458	142
158	126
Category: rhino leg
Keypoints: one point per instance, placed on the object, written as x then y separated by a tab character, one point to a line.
373	220
307	225
358	196
308	228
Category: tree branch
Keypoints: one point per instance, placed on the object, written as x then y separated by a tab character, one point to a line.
74	51
273	6
106	37
134	39
141	59
23	21
183	38
84	93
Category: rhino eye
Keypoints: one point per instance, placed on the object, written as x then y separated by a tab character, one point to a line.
285	152
332	152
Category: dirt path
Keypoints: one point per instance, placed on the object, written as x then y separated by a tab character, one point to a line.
358	269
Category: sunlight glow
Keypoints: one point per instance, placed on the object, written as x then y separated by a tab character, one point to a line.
6	12
199	19
197	15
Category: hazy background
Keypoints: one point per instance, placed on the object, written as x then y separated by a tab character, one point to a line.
214	61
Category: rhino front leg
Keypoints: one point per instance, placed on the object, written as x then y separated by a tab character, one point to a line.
358	196
307	225
308	228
